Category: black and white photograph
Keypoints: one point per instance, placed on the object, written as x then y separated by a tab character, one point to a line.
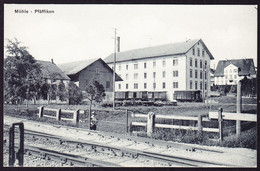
130	85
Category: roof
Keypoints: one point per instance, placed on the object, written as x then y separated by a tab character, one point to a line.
246	66
50	69
73	68
155	51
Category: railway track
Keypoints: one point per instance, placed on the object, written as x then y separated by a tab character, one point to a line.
124	151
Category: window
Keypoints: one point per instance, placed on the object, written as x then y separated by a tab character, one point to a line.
201	85
191	73
200	74
154	74
175	73
145	85
107	84
126	86
97	71
226	76
175	62
193	51
135	86
200	63
135	66
198	52
190	62
126	67
119	67
206	64
145	75
163	74
196	63
126	76
190	84
196	74
230	77
175	84
203	53
235	77
154	85
163	85
145	65
235	70
205	86
206	75
163	63
154	64
196	85
135	75
119	86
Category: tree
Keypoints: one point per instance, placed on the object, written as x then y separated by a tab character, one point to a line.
94	92
22	74
61	92
74	94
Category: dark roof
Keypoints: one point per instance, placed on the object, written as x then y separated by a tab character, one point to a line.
155	51
52	70
246	66
73	68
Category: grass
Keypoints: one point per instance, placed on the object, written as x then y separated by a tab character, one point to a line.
115	121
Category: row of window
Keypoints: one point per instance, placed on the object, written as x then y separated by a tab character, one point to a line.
175	63
196	74
231	76
175	74
198	52
226	81
196	85
175	85
196	63
230	71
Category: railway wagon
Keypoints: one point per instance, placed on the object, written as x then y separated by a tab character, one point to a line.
157	96
183	96
128	95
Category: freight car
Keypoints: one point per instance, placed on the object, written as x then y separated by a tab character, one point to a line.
189	96
140	95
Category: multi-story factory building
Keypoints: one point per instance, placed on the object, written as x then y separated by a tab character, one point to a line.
161	70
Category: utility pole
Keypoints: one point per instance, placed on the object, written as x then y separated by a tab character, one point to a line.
114	73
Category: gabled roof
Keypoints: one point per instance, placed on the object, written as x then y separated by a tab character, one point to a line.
246	66
155	51
73	68
50	69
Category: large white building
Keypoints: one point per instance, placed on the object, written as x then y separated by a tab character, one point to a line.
164	68
229	72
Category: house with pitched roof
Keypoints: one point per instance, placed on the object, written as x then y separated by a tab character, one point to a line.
83	72
229	72
164	69
53	75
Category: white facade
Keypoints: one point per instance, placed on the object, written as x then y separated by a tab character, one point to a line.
230	77
189	71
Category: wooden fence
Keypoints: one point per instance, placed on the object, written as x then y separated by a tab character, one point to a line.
58	112
220	116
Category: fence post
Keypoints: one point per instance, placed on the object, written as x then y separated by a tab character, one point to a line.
239	107
76	117
11	146
150	123
126	111
41	111
200	124
58	114
220	119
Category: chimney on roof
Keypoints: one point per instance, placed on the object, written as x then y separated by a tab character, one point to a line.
52	61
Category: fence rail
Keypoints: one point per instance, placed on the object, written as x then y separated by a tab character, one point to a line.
220	116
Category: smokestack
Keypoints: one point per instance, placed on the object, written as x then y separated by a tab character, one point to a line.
118	44
51	60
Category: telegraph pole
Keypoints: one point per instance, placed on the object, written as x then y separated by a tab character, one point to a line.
114	73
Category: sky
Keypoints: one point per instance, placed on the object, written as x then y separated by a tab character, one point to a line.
79	32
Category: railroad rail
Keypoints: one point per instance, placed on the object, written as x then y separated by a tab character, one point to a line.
171	160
